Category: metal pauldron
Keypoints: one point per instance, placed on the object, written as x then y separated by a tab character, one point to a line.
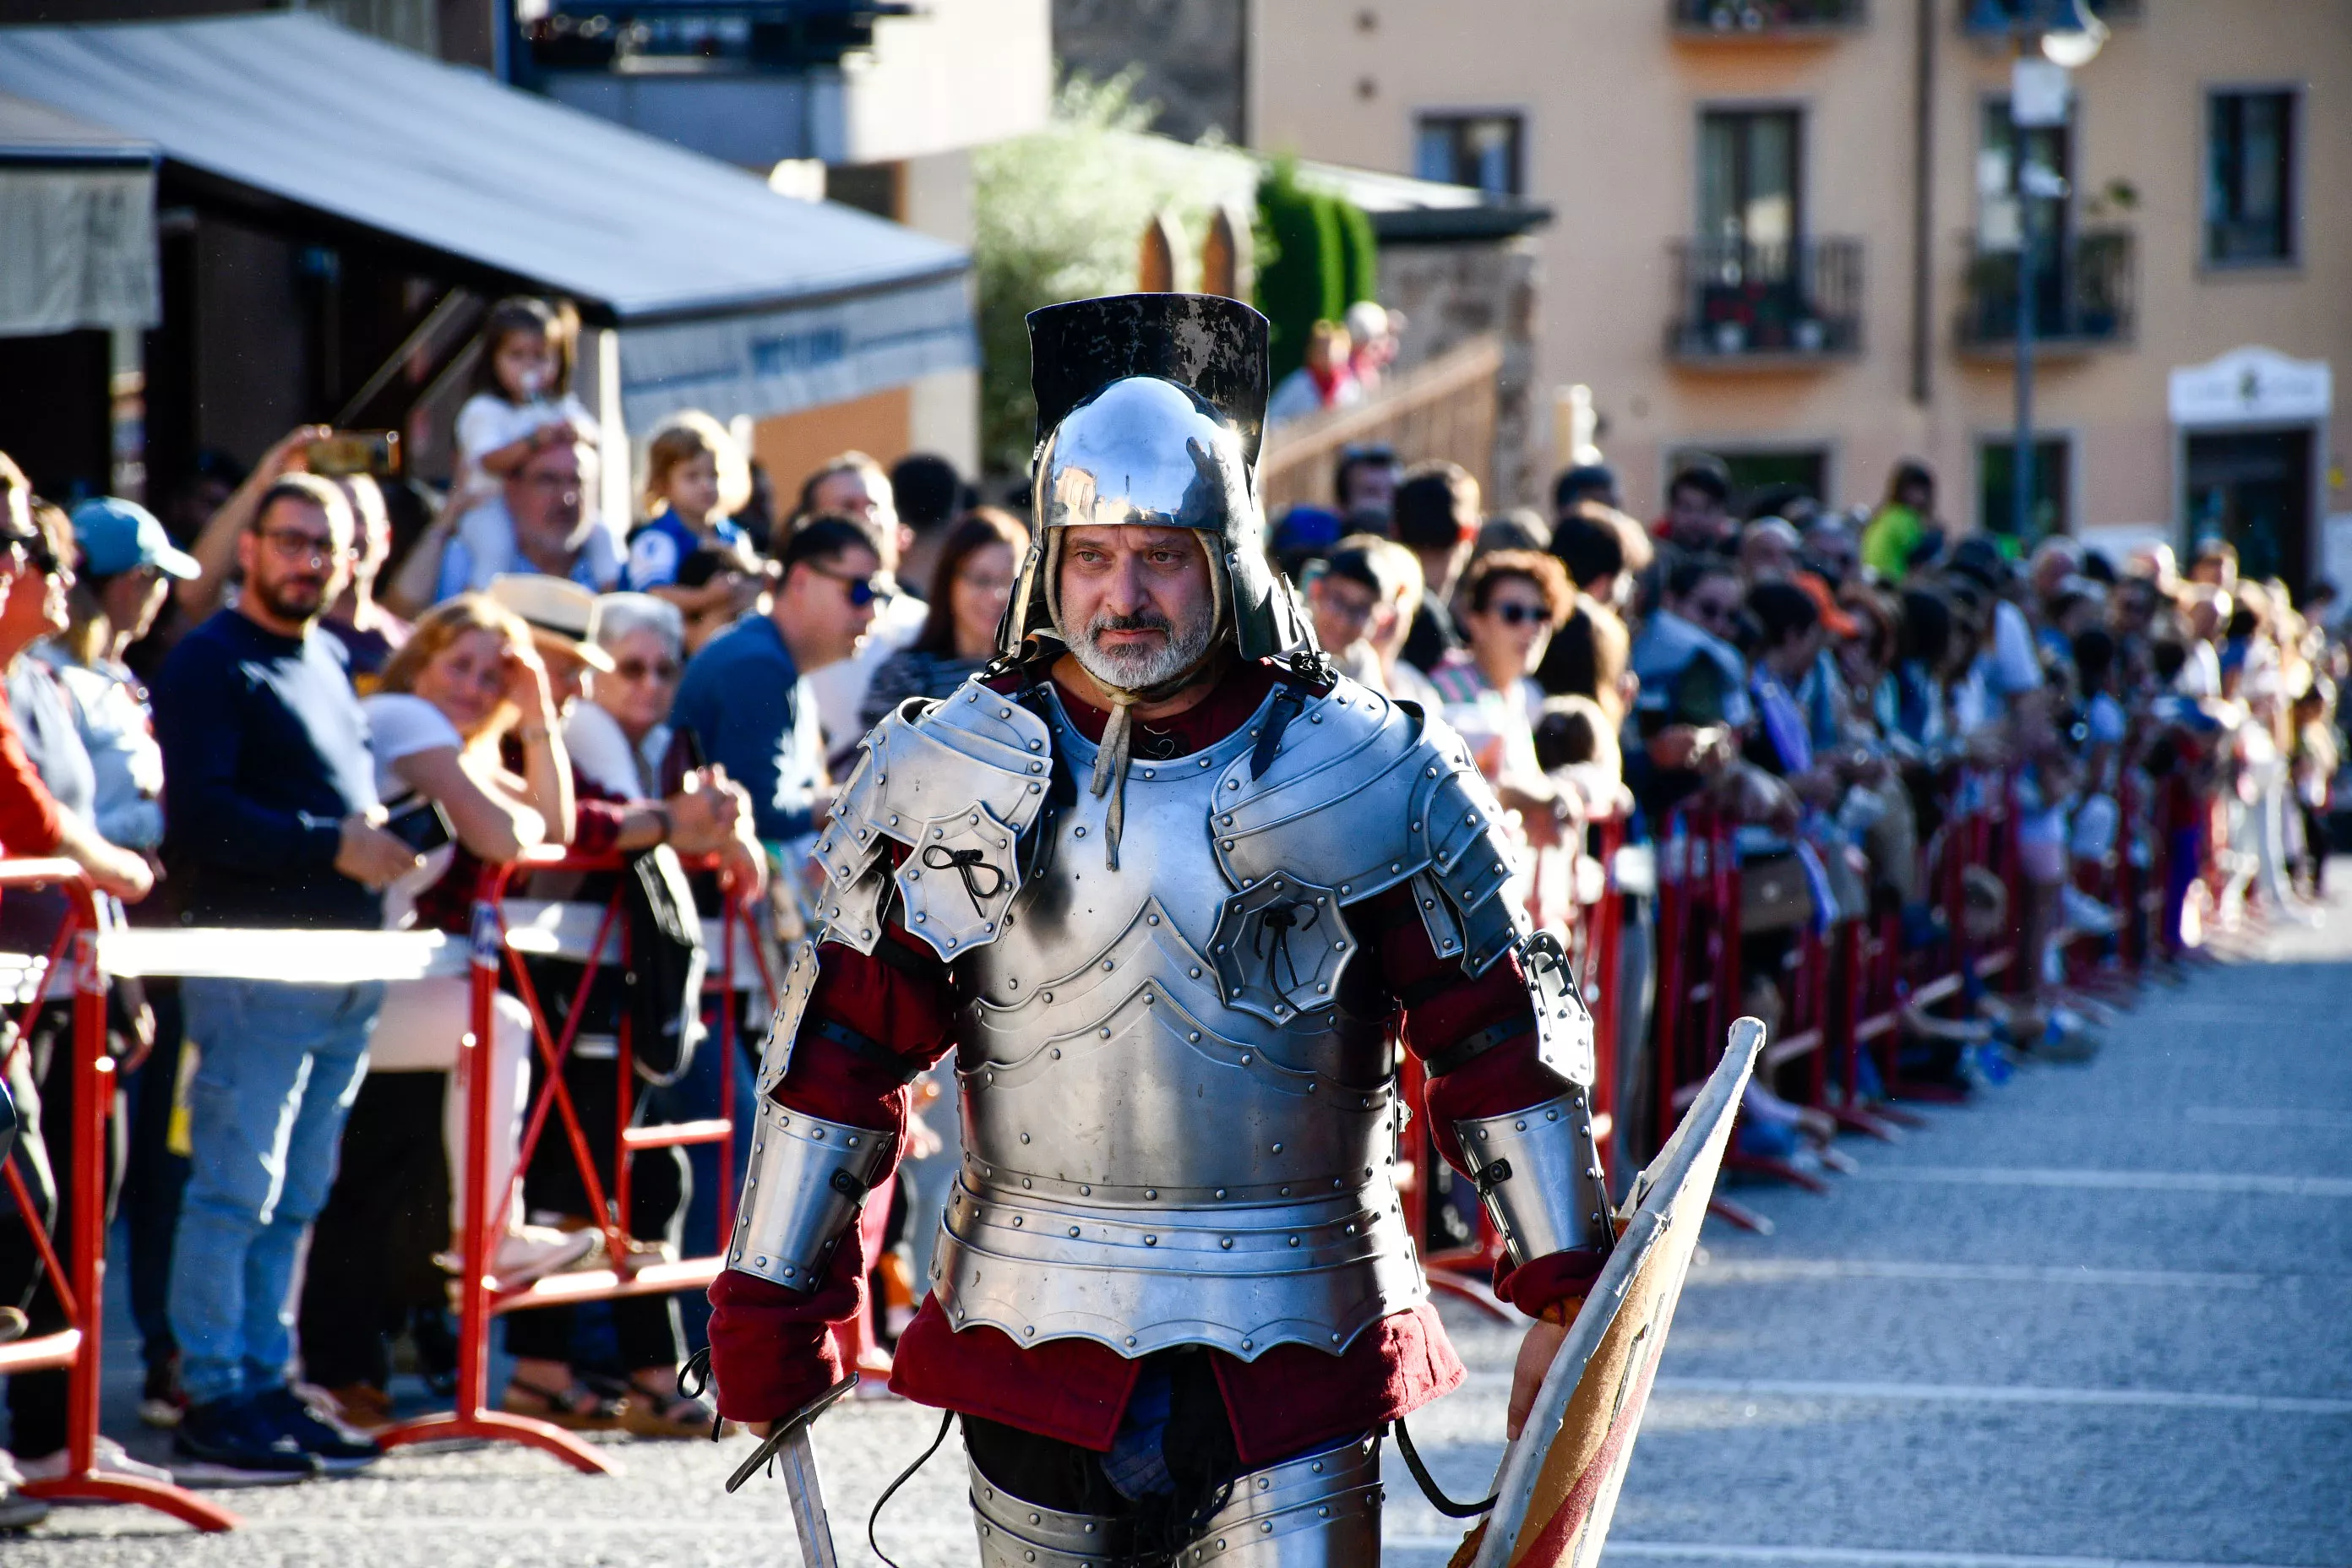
1320	1509
1538	1173
807	1181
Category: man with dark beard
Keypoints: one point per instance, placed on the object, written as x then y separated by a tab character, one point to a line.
1173	890
271	822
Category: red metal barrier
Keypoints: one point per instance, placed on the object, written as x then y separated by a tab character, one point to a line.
634	1272
82	1289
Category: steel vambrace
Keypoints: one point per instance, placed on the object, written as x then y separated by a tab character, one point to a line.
807	1181
1538	1173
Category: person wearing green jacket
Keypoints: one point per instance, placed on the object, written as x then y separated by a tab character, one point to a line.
1899	524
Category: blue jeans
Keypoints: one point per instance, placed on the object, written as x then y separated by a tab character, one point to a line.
278	1067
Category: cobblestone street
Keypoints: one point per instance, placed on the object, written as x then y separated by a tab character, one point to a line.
2099	1318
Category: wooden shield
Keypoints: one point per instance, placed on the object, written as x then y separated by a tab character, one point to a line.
1558	1486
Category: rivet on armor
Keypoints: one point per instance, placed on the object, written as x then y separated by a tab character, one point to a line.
1396	864
1081	832
1025	1182
1058	1052
1085	1191
1151	1194
1130	1341
1277	1148
1286	1192
1036	1519
1005	712
1220	1192
1195	972
1074	1231
1315	718
1106	1031
1037	745
918	917
1246	1056
1551	1116
974	696
761	1262
1317	1468
1343	886
1335	1340
1265	1526
1249	1344
1520	1125
1151	1241
1105	963
1036	767
1294	1241
1151	920
1232	784
1035	788
1149	998
1024	1137
1264	1482
1016	1218
1030	1328
1043	996
1228	819
1195	1035
1227	1242
894	819
1432	771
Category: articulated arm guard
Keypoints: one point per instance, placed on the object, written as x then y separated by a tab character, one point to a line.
1539	1170
808	1177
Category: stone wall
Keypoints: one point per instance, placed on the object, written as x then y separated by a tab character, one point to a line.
1192	53
1452	292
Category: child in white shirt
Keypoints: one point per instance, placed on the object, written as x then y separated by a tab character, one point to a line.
522	402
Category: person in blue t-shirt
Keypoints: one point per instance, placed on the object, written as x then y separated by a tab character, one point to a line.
695	475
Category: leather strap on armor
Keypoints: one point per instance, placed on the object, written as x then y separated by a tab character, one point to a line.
1469	1047
807	1181
1539	1175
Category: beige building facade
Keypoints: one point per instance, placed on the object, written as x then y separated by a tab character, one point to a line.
1786	234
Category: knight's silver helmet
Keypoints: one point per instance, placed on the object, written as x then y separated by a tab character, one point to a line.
1149	410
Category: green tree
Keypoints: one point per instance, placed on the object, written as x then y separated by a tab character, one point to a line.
1058	215
1317	257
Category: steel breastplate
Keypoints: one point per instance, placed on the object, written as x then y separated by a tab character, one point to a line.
1146	1165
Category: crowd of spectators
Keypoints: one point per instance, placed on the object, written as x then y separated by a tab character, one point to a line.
1837	687
323	701
327	700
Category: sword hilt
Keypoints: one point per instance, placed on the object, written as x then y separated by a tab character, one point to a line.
797	1421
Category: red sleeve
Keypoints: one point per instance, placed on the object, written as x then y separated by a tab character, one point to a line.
772	1349
28	811
1442	1004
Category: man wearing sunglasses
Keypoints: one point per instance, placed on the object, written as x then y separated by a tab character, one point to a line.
1165	881
746	696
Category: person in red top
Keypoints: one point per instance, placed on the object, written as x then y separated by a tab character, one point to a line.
1174	891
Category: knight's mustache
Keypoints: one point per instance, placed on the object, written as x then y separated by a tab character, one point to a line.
1146	622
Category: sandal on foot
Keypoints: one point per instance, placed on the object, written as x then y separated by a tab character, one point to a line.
649	1413
578	1408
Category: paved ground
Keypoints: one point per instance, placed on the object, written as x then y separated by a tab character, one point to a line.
2103	1320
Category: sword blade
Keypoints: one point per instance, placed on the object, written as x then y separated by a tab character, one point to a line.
797	1460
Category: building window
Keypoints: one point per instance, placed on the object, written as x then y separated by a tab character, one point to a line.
1749	188
2053	484
2250	178
1768	477
1482	150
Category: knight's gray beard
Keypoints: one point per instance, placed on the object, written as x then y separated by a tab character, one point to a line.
1139	669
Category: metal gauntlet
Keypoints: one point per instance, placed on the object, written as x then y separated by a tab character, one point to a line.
808	1178
1538	1173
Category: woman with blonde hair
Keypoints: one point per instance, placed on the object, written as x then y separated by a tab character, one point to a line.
471	769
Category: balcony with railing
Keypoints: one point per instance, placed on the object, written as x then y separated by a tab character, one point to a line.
1770	19
2085	289
1739	305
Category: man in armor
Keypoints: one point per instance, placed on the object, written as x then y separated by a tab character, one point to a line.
1173	892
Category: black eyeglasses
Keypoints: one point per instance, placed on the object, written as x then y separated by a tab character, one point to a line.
862	591
1519	615
636	669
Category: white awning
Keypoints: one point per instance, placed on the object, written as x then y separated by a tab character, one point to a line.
505	190
77	224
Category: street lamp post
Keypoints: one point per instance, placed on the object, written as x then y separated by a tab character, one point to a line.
2040	84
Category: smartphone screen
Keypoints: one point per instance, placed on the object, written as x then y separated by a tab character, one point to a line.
422	826
372	452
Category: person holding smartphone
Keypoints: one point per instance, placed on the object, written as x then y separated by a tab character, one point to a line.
467	680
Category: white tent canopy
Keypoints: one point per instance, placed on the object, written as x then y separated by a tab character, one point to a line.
728	296
77	224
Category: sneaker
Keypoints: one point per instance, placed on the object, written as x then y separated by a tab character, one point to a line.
109	1459
230	1442
160	1402
338	1449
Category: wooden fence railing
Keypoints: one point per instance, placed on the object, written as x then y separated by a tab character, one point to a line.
1444	408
